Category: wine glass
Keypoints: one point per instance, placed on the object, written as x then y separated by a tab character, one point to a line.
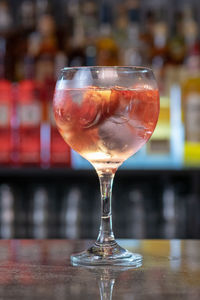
106	114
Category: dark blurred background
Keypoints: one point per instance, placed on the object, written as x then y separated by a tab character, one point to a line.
46	190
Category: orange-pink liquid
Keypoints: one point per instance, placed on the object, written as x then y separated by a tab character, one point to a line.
106	126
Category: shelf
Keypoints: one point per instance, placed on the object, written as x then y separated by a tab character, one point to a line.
67	172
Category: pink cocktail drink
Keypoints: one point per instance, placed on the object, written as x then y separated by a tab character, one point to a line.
106	126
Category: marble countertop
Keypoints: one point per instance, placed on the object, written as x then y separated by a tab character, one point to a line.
41	269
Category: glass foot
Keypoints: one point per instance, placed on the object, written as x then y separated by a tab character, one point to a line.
106	254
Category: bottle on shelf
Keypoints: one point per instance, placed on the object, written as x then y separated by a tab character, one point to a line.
6	112
40	213
43	47
165	148
30	113
146	38
190	30
90	31
59	151
136	214
191	111
159	51
6	212
75	43
169	212
131	53
90	53
5	16
27	14
70	214
159	143
176	47
42	7
107	49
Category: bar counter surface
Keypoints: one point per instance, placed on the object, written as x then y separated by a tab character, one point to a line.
41	269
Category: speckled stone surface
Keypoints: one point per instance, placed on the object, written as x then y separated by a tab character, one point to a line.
41	269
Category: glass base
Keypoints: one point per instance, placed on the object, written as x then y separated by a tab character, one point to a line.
106	254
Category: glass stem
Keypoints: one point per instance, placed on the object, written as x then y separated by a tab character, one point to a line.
106	235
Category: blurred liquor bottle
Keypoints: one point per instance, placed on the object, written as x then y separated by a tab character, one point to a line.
135	214
6	111
60	154
90	52
146	38
159	50
191	110
165	147
5	16
89	14
132	52
76	43
190	31
176	48
169	212
43	47
30	113
7	215
42	7
107	49
70	214
90	19
21	210
159	144
121	29
40	213
24	21
27	15
167	140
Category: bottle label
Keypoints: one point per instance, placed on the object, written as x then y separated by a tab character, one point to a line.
4	115
30	114
192	117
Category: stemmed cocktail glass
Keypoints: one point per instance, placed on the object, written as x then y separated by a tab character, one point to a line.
106	114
